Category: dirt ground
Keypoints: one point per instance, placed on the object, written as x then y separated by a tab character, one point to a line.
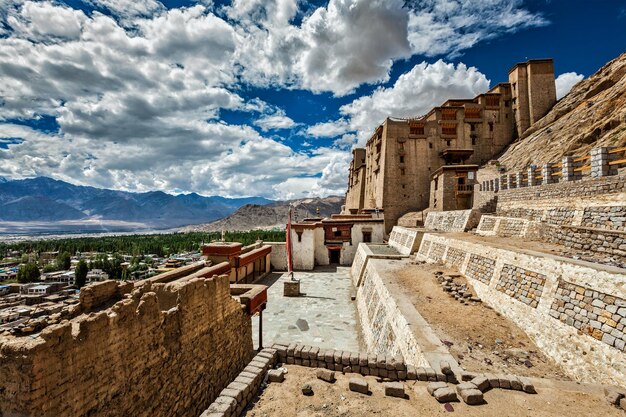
286	399
479	338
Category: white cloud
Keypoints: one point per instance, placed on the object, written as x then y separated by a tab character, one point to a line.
414	94
447	27
278	120
328	129
137	94
565	82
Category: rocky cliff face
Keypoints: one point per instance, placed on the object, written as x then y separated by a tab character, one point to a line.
593	114
253	216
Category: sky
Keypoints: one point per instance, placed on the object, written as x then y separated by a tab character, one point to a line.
258	97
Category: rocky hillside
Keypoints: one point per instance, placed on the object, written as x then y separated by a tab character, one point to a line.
254	216
592	114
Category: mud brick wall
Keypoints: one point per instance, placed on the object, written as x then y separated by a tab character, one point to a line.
573	310
521	284
162	350
602	316
480	268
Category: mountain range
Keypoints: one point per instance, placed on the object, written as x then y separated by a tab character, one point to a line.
42	199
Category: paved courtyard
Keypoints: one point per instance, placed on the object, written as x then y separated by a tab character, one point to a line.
324	316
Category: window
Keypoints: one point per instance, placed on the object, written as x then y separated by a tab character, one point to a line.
416	129
402	171
472	127
299	236
491	126
448	129
436	183
378	146
492	101
507	103
402	159
430	145
367	237
448	114
447	143
337	233
473	141
403	185
401	145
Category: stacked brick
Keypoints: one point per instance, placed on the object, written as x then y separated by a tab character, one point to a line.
560	216
607	217
391	367
601	242
237	395
455	257
511	228
521	284
480	268
599	315
436	251
586	188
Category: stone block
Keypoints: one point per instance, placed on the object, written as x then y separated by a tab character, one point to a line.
445	395
622	403
494	382
527	386
337	357
347	370
291	288
399	364
467	376
329	356
421	374
345	358
434	386
504	382
362	360
515	383
338	367
354	359
613	396
394	389
482	383
297	352
445	367
465	386
382	373
411	372
233	393
307	390
358	385
276	375
290	349
432	376
441	376
381	362
471	396
402	375
326	375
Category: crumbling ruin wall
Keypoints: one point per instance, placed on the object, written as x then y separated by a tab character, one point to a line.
574	311
162	350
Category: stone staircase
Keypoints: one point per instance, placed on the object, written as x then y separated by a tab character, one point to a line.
490	205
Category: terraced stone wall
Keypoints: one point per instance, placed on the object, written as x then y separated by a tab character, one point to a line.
452	221
574	311
384	328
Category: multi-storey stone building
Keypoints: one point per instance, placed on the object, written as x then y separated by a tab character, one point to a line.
393	172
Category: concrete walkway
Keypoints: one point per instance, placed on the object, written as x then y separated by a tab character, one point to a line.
325	316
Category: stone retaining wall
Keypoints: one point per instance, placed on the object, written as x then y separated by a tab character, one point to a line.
600	241
384	328
405	240
452	221
573	310
503	226
363	254
163	349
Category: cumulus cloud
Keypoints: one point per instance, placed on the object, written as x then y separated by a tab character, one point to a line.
137	90
413	94
565	82
278	120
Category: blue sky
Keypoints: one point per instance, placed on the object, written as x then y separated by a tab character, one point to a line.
258	97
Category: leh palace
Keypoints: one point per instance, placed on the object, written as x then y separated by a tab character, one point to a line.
456	278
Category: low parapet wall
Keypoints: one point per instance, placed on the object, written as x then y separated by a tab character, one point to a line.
163	349
574	311
405	240
504	226
367	251
384	328
452	221
279	255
